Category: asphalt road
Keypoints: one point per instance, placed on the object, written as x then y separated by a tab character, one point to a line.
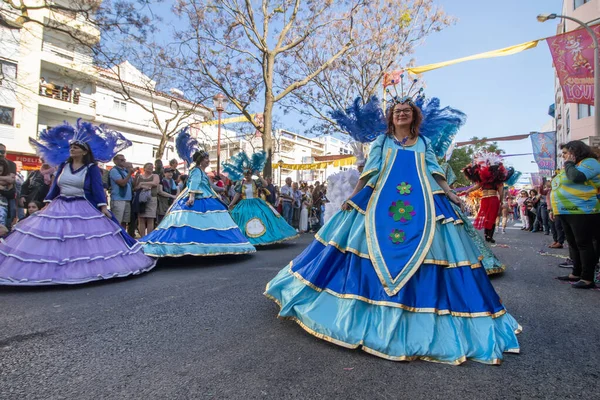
201	329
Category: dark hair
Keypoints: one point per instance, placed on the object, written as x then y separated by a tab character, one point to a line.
199	156
38	204
580	150
534	191
88	158
183	179
414	125
4	165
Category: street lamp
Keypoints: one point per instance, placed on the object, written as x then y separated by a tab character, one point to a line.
220	102
546	17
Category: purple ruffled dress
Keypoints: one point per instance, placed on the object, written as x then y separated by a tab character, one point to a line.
70	241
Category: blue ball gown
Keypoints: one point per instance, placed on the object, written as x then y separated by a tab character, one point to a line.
258	220
398	275
205	229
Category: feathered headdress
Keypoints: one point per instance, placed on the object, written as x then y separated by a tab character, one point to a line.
366	123
363	122
241	163
409	96
53	144
186	145
440	125
488	168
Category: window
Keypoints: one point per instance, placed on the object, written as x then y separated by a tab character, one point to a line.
579	3
119	106
584	111
8	71
7	116
154	152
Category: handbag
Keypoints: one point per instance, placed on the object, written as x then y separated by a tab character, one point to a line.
145	196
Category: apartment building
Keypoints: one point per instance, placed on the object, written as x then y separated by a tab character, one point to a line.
574	121
49	78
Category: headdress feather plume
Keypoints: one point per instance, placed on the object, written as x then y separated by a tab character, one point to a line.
186	145
53	144
240	163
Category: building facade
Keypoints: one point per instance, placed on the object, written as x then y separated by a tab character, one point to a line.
574	121
51	78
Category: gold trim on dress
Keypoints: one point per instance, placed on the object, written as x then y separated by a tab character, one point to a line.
366	174
277	241
355	206
489	193
430	310
496	270
197	212
194	227
366	349
340	248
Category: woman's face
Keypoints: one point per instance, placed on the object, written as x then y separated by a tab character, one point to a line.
148	168
32	208
403	115
567	155
205	162
76	151
523	194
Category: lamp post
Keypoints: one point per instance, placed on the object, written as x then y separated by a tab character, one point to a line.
546	17
220	102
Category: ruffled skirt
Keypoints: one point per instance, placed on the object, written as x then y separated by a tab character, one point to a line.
69	242
261	223
448	311
205	229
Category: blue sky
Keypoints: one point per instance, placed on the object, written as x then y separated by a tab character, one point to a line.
501	96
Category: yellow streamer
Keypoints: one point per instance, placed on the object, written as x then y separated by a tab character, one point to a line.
507	51
342	162
228	120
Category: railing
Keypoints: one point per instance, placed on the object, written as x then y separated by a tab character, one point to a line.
66	54
66	94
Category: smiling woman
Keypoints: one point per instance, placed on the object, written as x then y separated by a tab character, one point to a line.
395	273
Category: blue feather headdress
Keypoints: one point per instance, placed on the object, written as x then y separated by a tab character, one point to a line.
186	145
366	123
241	163
440	125
363	122
53	144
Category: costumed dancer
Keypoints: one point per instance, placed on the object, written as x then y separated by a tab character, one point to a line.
75	238
197	223
341	184
257	219
393	273
488	173
490	262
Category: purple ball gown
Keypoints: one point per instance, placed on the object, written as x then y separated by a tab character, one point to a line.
70	241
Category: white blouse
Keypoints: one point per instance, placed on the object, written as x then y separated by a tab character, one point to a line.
71	184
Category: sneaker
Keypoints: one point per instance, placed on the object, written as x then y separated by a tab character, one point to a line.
566	264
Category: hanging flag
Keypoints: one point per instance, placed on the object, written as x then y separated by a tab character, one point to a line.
544	151
391	78
573	56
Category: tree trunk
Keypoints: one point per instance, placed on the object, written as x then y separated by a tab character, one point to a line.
267	137
161	146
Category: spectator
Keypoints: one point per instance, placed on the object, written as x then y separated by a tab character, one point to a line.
19	180
8	180
43	86
296	205
176	174
121	189
7	191
182	182
287	198
167	193
575	203
558	233
522	202
159	169
146	192
532	211
37	184
33	207
271	188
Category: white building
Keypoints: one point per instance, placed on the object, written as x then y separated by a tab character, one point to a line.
50	78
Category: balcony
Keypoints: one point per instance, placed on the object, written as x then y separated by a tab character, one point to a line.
55	98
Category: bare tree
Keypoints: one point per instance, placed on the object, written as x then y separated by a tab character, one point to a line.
241	47
390	30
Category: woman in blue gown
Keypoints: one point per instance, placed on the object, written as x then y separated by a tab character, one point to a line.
198	223
394	272
257	219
